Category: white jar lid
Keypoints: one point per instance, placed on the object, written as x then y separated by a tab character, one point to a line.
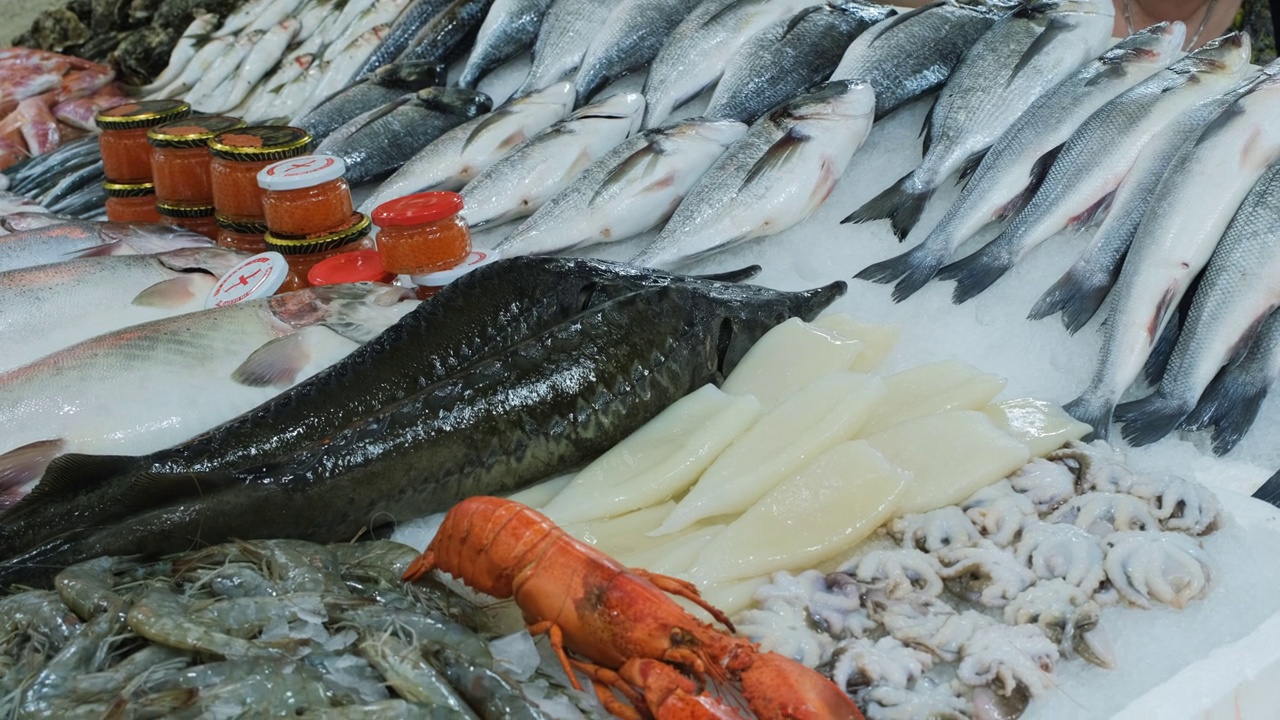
477	259
257	277
301	172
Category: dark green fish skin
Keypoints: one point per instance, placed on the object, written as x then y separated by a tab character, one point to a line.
543	407
450	34
406	27
385	85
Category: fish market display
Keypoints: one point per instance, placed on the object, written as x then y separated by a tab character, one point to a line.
629	39
1012	170
567	29
398	37
510	28
53	306
386	84
46	98
774	177
459	155
535	171
145	387
1020	58
633	188
789	57
910	55
82	238
66	180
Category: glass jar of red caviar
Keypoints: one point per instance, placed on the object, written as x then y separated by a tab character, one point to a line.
241	235
239	155
180	158
422	233
350	267
126	154
306	196
196	218
306	253
131	202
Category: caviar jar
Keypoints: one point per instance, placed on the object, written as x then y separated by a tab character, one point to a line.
350	267
241	235
422	233
180	158
126	154
131	202
239	155
196	218
306	196
306	253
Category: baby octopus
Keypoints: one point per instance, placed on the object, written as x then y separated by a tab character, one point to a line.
1000	512
1055	550
930	624
861	662
1102	513
937	529
1068	617
1099	467
1013	660
1180	504
1166	567
927	699
984	574
898	573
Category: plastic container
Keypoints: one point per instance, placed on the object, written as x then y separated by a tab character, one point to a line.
131	202
126	154
245	236
306	196
257	277
422	233
305	254
180	158
196	218
350	267
429	284
239	155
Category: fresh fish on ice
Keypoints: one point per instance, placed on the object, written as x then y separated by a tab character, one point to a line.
567	29
1192	207
909	56
336	70
226	65
1231	402
527	177
448	35
459	155
386	84
633	188
185	49
1074	195
86	238
789	57
54	306
384	139
261	59
510	28
630	39
196	69
1011	171
355	21
149	386
406	27
1022	56
250	12
777	175
31	219
702	45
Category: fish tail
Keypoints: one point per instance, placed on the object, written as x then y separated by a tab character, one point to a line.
900	203
1149	419
1077	295
1270	490
1229	405
733	276
912	270
1153	369
1094	411
978	271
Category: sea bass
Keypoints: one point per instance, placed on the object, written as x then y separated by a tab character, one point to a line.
53	306
702	45
629	39
633	188
546	405
149	386
1022	56
406	27
567	29
546	163
86	238
1011	171
376	144
510	28
1080	185
459	155
789	57
778	174
1231	402
910	55
448	35
385	85
1193	205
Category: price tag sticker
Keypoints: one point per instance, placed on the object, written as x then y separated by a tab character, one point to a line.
259	276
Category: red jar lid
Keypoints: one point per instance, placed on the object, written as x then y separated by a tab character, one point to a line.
417	209
358	266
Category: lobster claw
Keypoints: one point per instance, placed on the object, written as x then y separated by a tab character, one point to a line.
778	688
670	695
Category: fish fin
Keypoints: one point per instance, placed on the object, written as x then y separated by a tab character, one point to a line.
1153	369
895	20
733	276
912	270
1149	419
926	127
171	293
661	183
643	161
1094	412
970	166
1056	27
275	364
488	121
23	465
1219	122
69	475
799	17
1229	405
730	7
1039	171
901	205
103	250
1092	214
149	489
1270	490
777	155
1076	295
978	271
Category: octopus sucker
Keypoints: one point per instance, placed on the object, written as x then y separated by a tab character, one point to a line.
1166	567
985	574
1102	513
1056	550
935	530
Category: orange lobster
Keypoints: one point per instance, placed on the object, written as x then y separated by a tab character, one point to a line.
621	620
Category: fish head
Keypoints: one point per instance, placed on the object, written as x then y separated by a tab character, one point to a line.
714	131
622	106
410	75
217	261
454	101
1226	56
560	96
838	100
1155	45
357	311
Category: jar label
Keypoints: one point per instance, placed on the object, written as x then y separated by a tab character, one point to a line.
259	276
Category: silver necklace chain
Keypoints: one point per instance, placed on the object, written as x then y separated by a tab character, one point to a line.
1208	10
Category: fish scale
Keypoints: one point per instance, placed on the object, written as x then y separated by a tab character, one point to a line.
510	28
566	31
1231	402
79	238
631	37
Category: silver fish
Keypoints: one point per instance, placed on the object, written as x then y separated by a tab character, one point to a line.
274	14
54	306
910	55
356	20
264	56
567	29
1231	402
1012	170
510	28
790	56
777	175
85	238
406	27
1021	57
702	45
195	69
630	39
634	188
459	155
385	85
337	67
226	65
183	51
149	386
1192	207
542	166
247	13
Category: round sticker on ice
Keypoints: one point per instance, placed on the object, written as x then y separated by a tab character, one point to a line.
259	276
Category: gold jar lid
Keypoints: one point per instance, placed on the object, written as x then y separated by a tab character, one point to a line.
192	132
184	211
124	190
244	227
320	243
261	142
142	114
